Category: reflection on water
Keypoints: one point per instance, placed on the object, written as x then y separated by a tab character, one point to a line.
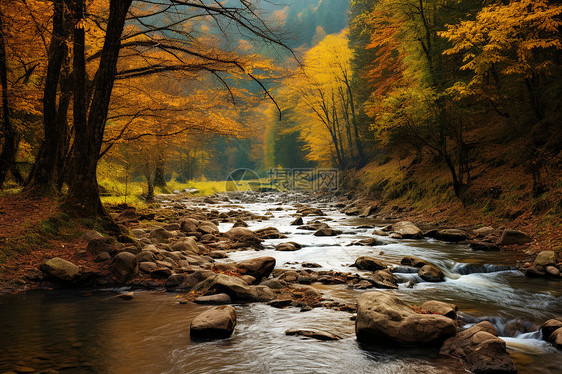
79	332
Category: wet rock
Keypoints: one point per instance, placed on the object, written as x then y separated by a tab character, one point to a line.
369	211
60	269
280	303
260	267
186	245
327	231
172	227
269	233
243	236
439	307
307	211
208	227
370	242
552	271
218	254
556	338
304	279
217	299
125	266
274	284
311	265
549	327
363	285
288	247
369	263
510	237
147	266
413	261
297	222
215	323
384	319
384	279
405	269
451	235
173	281
248	279
545	258
431	273
221	283
407	230
99	245
484	231
240	223
379	232
478	245
189	225
480	349
314	334
102	257
160	273
125	296
161	235
263	293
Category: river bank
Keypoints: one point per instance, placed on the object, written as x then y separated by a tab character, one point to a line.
316	254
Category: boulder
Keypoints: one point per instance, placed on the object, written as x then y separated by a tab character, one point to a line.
478	245
552	271
297	222
314	334
451	235
208	227
369	211
384	279
102	257
326	231
99	245
217	299
369	263
269	233
545	258
431	273
239	223
288	247
307	211
173	281
215	323
258	268
146	256
91	234
439	307
186	245
407	230
556	338
413	261
60	269
480	349
161	235
510	237
484	231
189	224
382	318
147	266
370	242
549	327
243	236
222	283
125	266
263	293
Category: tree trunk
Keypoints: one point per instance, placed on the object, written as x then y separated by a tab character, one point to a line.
11	135
44	173
149	182
159	179
83	195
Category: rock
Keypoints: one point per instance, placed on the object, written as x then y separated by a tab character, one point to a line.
172	227
549	327
407	230
248	279
147	267
91	234
217	299
189	224
451	235
60	269
384	279
480	349
363	284
510	237
160	273
552	271
146	256
307	211
431	273
297	222
370	242
288	246
314	334
161	235
269	233
280	303
125	266
369	211
413	261
478	245
222	283
545	258
186	245
439	307
218	254
239	223
208	227
139	233
369	263
379	232
102	257
125	296
99	245
484	231
215	323
556	338
173	281
326	231
382	318
258	268
311	265
263	293
243	236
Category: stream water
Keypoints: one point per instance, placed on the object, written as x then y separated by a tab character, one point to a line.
91	332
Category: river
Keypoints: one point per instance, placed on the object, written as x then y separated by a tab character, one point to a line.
89	331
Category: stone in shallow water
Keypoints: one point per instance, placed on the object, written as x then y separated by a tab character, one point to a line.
314	334
215	323
220	298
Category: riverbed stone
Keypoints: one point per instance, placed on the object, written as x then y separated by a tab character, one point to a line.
260	267
60	269
545	258
383	318
288	247
413	261
308	211
147	266
451	235
239	223
369	242
549	327
314	334
125	266
91	234
217	299
484	231
431	273
510	237
407	230
556	338
103	244
326	231
262	293
215	323
186	245
369	263
222	283
480	349
269	233
552	271
480	245
384	279
244	236
440	307
297	222
161	235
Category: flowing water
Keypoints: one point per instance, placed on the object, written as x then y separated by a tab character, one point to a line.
91	332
